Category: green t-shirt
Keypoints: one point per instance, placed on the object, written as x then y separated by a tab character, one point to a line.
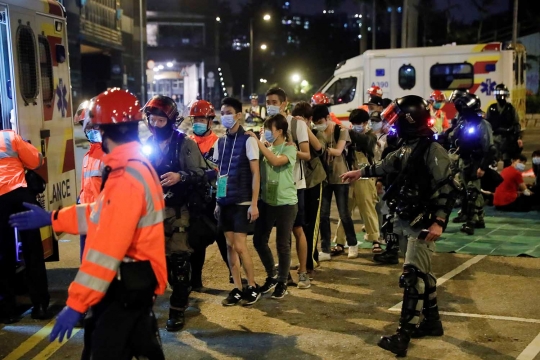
277	182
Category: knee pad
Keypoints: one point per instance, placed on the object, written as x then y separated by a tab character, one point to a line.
179	269
409	277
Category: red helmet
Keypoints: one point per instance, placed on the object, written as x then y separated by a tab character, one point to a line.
80	114
375	91
202	108
113	106
320	99
161	106
437	96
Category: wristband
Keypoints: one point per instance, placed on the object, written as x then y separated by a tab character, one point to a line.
440	222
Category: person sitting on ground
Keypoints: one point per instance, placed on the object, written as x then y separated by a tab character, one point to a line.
512	194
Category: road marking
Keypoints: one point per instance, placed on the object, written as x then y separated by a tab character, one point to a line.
449	275
54	346
482	316
531	350
31	342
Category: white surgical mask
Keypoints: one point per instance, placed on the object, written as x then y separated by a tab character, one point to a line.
520	167
272	110
321	127
228	121
536	160
358	128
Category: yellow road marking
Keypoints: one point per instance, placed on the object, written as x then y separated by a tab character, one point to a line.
54	346
31	342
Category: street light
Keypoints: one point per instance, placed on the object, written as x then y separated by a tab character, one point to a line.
218	19
264	47
266	17
169	64
295	78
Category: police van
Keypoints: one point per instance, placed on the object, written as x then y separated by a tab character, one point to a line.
35	95
419	71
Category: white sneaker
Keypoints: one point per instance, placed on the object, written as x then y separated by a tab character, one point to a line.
303	281
324	256
353	252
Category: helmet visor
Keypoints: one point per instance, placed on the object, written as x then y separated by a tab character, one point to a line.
160	107
391	113
501	92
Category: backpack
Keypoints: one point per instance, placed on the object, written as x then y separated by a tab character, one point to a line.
348	151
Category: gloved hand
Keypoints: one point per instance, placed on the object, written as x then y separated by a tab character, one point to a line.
36	218
65	322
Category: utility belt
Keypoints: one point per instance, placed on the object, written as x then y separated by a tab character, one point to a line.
415	213
134	285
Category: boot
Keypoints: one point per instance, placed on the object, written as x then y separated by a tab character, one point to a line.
461	218
41	312
431	325
176	320
387	257
468	228
399	342
480	224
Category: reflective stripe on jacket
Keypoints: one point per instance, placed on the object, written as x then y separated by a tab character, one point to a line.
91	174
125	220
16	155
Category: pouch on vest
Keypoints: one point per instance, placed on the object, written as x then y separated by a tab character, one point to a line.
35	182
136	284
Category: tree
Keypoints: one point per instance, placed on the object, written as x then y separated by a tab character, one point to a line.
483	7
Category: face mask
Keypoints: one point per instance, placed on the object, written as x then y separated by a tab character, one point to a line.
376	126
228	121
536	160
272	110
520	167
358	128
437	106
321	127
94	136
163	133
199	129
269	136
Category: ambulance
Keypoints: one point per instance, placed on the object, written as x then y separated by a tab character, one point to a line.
419	71
35	95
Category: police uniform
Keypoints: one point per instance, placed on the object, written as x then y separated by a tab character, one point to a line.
421	195
504	120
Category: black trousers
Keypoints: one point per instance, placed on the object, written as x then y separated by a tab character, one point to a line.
112	331
312	197
32	249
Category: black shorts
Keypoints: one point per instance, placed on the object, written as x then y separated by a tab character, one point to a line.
235	218
300	215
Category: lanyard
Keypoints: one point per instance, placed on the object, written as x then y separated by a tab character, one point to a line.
223	155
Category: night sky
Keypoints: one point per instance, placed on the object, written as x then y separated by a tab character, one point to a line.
465	11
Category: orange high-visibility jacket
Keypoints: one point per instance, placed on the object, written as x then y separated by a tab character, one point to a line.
16	155
125	221
91	174
205	143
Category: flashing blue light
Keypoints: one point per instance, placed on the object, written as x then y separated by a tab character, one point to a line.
436	136
470	130
147	150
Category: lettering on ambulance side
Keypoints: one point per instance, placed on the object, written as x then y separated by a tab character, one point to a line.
61	190
381	84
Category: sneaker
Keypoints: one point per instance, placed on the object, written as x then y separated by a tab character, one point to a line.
324	256
303	281
251	295
353	252
269	285
234	298
280	291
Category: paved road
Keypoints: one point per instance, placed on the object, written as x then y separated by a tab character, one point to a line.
490	304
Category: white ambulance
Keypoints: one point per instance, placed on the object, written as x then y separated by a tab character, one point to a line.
35	95
419	71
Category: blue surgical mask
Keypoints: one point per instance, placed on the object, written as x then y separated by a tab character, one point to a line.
269	136
376	125
536	160
520	167
200	129
358	128
228	121
272	110
94	136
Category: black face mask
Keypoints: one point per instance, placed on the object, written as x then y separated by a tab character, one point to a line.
501	100
163	133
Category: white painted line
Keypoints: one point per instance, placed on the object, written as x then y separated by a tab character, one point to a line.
481	316
449	275
531	350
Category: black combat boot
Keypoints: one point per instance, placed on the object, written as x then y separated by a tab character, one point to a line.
431	325
176	320
480	224
461	218
399	342
468	228
390	257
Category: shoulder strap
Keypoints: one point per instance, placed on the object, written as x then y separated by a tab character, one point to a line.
293	130
179	140
337	130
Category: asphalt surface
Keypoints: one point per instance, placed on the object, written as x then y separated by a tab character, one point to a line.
490	305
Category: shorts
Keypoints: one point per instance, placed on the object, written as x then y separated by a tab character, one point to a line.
234	218
300	215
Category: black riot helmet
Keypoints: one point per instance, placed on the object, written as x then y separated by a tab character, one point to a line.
456	94
468	103
501	93
410	115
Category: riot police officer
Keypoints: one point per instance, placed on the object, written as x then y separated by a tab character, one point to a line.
504	120
180	166
420	199
474	142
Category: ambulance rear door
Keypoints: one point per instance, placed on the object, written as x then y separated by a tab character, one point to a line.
343	91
